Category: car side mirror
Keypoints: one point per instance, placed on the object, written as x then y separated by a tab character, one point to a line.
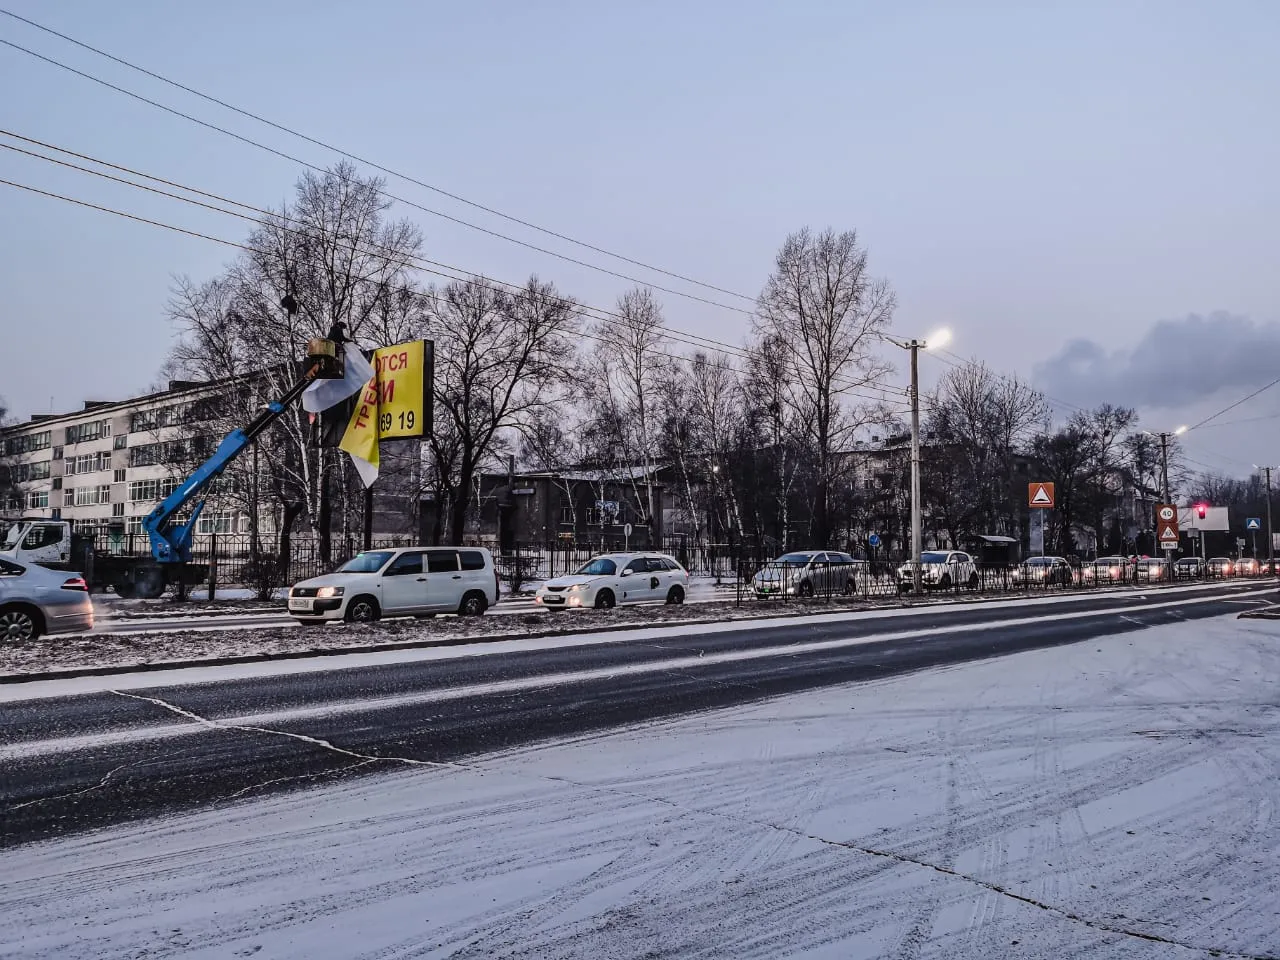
625	573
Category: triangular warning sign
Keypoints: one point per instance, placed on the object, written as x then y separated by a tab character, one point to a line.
1168	533
1041	496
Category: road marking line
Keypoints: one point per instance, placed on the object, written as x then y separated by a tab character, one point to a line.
37	748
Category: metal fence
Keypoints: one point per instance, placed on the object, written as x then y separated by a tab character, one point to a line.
236	563
863	579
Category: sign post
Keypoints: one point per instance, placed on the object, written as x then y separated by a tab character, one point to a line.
1040	497
1167	526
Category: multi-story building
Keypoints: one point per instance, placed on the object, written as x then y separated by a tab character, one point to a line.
105	467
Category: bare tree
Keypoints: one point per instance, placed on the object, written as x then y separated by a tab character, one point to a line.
770	393
629	368
822	305
499	362
330	256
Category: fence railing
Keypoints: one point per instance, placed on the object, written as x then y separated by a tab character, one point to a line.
236	563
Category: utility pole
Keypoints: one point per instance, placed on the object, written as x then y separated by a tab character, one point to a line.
917	534
1271	552
938	340
1164	438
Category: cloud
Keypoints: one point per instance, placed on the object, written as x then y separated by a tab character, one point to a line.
1176	363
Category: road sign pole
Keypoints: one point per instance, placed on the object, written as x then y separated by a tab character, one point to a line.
1271	541
917	534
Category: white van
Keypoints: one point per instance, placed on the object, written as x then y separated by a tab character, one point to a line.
406	581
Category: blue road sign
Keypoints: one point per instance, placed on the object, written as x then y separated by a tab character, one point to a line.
874	540
1253	523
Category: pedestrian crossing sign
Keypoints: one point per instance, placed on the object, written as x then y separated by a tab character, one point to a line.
1253	523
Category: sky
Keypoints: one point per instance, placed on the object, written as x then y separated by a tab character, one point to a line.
1084	193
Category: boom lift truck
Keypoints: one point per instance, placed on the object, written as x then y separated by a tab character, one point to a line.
51	543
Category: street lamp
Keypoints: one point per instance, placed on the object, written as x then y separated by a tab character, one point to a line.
936	341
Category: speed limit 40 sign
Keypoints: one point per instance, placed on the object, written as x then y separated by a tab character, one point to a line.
1167	525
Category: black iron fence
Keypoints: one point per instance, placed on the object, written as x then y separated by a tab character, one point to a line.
235	562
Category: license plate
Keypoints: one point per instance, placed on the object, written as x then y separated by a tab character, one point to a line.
299	603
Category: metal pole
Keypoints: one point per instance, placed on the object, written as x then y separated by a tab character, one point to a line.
1164	478
1271	553
917	535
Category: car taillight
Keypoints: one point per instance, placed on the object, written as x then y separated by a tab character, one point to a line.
75	583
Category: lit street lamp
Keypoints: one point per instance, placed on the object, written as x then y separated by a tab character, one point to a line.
936	341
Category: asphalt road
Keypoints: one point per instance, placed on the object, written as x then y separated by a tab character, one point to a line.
135	748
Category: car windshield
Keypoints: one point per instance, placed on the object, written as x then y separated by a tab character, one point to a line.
793	559
933	557
11	538
599	567
1041	561
366	562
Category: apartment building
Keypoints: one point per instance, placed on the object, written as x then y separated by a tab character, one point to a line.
105	467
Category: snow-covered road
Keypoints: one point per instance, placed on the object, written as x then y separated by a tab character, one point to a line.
1113	798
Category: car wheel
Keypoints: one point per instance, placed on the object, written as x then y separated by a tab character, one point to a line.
473	605
675	595
148	582
973	581
605	600
945	582
806	589
20	625
363	610
311	623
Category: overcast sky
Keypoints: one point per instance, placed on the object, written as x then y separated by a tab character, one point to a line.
1086	193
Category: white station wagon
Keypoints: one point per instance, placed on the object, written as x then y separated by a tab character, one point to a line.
614	578
409	581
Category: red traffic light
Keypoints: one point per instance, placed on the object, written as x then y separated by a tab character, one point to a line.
1201	510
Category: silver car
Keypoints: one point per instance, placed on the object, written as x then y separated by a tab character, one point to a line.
809	572
35	601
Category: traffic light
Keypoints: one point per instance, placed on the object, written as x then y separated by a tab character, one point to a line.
1201	510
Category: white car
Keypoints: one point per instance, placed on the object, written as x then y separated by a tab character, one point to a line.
408	581
36	601
943	569
614	578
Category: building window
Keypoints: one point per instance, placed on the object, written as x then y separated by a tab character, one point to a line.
118	477
222	522
90	496
79	432
567	513
26	472
57	483
27	443
57	453
38	500
69	497
117	509
133	526
145	491
121	442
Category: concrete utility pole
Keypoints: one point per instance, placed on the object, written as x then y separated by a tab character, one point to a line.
937	341
1164	477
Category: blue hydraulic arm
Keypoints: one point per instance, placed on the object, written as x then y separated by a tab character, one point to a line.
171	543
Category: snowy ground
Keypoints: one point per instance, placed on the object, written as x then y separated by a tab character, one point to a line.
1115	798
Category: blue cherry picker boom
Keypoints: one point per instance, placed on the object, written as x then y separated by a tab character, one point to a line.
51	542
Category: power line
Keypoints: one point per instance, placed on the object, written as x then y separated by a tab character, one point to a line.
1232	406
598	313
351	156
665	333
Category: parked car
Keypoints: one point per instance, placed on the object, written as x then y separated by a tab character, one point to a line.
1246	567
1188	568
1220	567
1266	568
1151	569
1045	570
36	601
1109	570
408	581
613	578
805	573
941	569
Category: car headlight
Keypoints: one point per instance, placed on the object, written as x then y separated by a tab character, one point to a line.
325	592
577	588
